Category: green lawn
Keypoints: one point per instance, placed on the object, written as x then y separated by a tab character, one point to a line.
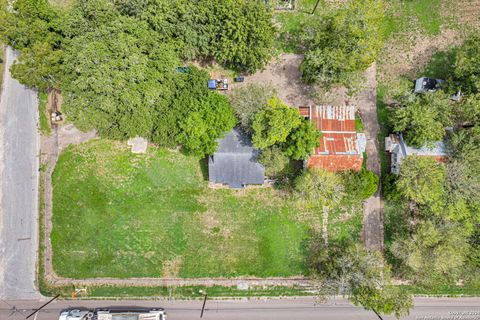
117	214
406	15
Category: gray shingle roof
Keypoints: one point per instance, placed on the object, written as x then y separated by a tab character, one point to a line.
235	162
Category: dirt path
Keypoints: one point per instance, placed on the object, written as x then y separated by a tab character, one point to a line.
372	207
51	148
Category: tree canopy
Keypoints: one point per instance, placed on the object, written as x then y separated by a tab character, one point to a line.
302	141
422	180
466	70
248	100
423	118
344	43
359	274
274	123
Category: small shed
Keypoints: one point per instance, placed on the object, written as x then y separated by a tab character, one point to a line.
236	162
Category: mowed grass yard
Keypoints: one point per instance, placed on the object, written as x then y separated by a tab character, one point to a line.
117	214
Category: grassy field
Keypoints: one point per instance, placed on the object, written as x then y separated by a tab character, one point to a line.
405	16
122	215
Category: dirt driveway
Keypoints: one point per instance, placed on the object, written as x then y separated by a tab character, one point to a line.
283	73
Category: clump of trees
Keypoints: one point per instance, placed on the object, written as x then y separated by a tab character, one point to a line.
433	232
343	44
248	100
115	62
208	29
423	118
361	275
320	188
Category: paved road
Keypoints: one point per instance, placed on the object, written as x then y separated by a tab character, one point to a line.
18	188
278	309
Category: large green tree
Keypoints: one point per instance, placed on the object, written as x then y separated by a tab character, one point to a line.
116	77
319	188
344	43
466	70
434	254
248	100
210	119
423	118
361	275
422	181
34	28
274	123
302	141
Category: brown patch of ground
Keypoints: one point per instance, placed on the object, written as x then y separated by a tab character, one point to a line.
407	53
171	268
283	73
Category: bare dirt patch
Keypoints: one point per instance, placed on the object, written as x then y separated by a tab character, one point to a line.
408	53
283	73
171	268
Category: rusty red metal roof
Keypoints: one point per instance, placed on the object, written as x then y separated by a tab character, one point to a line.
336	163
340	148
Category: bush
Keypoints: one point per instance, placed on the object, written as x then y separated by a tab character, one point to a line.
361	185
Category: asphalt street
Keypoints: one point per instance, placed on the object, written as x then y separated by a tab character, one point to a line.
18	187
277	309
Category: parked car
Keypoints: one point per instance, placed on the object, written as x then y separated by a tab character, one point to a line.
424	84
114	313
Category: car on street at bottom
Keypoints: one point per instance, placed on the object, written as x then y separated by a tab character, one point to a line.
114	313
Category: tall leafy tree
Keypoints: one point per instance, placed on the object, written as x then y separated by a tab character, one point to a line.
423	119
434	254
344	43
116	77
422	181
210	119
319	188
467	65
248	100
361	275
274	123
302	141
34	28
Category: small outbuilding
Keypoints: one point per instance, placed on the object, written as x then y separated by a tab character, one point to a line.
236	162
399	150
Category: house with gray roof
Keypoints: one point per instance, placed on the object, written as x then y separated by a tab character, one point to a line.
399	150
235	163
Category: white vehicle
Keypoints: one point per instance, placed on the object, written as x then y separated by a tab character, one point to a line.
114	313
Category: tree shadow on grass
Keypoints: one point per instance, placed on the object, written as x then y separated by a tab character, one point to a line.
441	64
204	167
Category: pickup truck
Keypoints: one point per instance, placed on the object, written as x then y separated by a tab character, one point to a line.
114	313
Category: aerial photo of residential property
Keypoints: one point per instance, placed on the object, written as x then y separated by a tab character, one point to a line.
239	159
